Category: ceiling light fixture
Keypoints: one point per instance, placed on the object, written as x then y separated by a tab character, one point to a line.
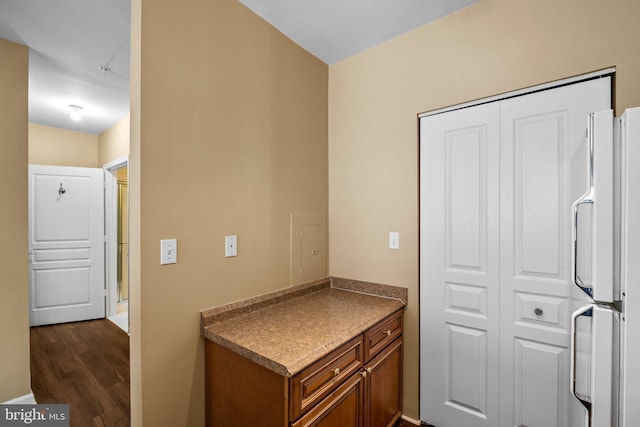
74	112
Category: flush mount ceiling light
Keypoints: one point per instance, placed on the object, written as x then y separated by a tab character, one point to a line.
74	112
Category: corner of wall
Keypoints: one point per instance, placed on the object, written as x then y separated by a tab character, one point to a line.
15	374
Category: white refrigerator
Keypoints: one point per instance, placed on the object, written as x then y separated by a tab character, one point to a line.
605	359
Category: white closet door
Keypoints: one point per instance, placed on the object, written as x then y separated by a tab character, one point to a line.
459	298
539	136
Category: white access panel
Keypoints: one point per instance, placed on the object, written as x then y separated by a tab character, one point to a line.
308	247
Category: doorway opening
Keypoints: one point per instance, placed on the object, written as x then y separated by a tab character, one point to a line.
117	241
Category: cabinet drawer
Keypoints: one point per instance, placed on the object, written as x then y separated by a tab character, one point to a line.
384	333
319	379
342	408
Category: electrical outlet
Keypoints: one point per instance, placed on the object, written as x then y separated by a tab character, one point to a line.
168	251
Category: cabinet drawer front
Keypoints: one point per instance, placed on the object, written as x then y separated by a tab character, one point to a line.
341	408
381	335
321	378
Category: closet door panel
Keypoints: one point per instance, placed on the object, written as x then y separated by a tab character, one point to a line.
538	365
539	136
459	268
496	186
466	198
537	174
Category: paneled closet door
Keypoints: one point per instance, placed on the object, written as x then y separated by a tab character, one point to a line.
459	268
496	186
540	137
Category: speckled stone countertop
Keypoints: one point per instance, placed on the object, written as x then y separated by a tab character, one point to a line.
287	330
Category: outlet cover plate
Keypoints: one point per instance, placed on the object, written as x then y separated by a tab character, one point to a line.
230	246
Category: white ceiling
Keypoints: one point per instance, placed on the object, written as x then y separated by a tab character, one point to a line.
333	30
70	40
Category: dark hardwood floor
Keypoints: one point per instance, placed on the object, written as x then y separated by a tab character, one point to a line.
403	423
84	364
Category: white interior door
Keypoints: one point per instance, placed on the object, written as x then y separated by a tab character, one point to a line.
66	244
495	297
459	268
539	136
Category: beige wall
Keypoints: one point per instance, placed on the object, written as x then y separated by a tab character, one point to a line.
492	47
229	137
14	288
61	147
113	144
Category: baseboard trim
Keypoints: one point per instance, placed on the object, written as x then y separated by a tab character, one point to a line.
410	420
27	399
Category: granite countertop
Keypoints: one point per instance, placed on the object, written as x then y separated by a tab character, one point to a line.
285	331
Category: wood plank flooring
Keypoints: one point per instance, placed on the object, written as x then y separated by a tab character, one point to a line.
84	364
403	423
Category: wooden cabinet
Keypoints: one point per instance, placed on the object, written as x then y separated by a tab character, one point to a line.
383	387
358	384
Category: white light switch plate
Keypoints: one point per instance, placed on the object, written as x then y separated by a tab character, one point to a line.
394	240
230	246
168	251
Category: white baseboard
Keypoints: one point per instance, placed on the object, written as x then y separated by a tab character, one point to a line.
27	399
410	420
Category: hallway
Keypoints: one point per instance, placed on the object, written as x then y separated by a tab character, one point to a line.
84	364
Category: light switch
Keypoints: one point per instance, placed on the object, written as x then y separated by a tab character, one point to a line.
230	246
168	251
394	240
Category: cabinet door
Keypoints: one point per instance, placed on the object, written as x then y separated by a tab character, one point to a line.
341	408
383	387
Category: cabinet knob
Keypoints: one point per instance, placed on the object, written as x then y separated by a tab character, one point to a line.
538	311
336	372
388	333
369	369
364	374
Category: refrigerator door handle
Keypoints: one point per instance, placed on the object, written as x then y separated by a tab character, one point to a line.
587	198
575	278
572	384
605	367
599	195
